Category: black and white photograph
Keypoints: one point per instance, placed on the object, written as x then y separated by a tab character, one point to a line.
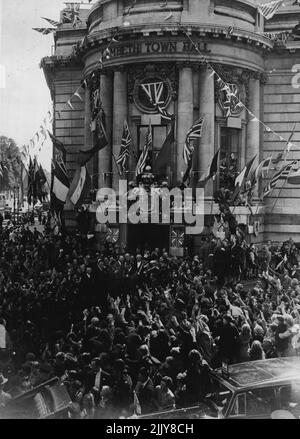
150	212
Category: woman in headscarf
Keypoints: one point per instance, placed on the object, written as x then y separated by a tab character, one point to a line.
256	351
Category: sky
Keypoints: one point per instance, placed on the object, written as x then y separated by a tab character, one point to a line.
24	94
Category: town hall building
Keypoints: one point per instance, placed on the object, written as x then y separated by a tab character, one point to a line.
126	52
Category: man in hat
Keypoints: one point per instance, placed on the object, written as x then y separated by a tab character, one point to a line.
4	397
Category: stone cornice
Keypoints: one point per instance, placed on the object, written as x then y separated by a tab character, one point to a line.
53	62
99	39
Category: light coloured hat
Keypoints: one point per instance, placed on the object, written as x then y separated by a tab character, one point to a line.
3	380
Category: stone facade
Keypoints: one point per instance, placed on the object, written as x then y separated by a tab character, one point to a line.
154	42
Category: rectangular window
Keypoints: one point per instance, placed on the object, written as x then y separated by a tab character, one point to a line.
289	398
261	402
229	157
239	406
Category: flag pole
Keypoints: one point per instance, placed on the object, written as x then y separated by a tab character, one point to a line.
212	198
289	139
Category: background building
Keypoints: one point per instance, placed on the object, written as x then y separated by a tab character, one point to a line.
151	42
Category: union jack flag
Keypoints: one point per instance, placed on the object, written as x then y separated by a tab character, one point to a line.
71	14
282	174
125	145
112	235
232	100
269	9
177	238
194	133
164	114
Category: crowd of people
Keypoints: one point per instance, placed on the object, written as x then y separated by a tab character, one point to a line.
138	332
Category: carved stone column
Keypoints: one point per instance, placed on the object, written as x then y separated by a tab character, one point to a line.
88	138
120	113
253	128
185	114
207	141
105	155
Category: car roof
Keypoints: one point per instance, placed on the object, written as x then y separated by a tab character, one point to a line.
261	372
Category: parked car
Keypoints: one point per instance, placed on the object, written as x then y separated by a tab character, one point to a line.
259	389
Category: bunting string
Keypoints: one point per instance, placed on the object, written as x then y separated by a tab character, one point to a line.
230	91
37	142
231	94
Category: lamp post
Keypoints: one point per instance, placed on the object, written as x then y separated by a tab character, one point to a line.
16	201
14	204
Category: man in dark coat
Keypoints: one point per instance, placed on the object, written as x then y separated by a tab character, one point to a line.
222	262
228	339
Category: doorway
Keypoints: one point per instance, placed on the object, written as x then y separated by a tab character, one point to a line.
148	237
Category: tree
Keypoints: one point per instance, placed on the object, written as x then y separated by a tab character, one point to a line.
10	164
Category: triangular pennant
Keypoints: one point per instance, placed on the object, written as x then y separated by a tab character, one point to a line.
70	104
78	95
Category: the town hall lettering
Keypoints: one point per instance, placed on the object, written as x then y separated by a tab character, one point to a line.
153	47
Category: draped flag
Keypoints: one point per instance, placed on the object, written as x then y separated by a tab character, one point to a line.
263	168
58	146
294	178
125	148
24	180
283	175
213	169
146	151
194	133
163	158
80	186
71	14
40	181
32	190
60	184
232	100
242	178
100	140
268	10
164	113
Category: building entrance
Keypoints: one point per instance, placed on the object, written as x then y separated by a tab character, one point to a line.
148	236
